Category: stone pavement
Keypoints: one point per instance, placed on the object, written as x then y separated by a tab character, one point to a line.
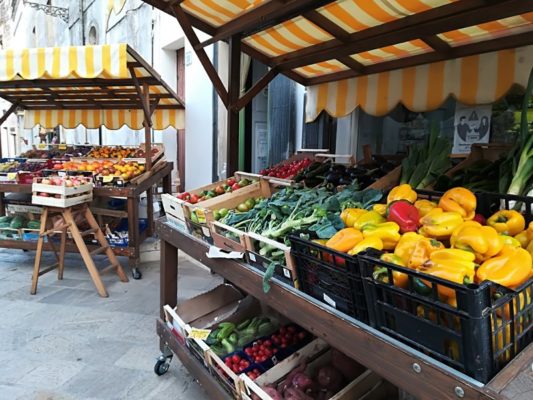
68	343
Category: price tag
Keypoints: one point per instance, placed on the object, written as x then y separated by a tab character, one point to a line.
199	334
41	146
107	179
330	301
11	176
252	256
62	146
287	273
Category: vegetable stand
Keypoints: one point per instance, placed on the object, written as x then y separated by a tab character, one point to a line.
94	86
410	370
130	193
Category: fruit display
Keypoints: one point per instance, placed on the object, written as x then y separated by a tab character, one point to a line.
9	166
227	186
286	170
124	170
66	182
55	152
112	152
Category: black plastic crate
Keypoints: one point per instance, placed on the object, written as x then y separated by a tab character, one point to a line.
479	335
330	276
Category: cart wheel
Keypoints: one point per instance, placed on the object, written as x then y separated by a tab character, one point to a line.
136	273
162	365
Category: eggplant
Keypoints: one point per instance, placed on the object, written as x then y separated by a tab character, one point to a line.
345	181
333	177
338	168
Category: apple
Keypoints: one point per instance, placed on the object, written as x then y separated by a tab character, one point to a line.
68	183
46	182
44	194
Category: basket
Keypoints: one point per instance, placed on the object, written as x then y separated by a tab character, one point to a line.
285	271
330	276
478	336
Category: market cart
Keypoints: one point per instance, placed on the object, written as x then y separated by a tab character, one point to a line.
369	54
110	86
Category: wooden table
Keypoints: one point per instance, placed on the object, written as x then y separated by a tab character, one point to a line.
130	193
405	367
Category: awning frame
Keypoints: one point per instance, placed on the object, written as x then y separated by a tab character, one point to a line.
134	94
424	26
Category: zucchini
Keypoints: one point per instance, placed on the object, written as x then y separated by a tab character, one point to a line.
5	218
34	224
18	222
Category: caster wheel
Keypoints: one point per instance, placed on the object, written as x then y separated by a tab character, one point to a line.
161	366
136	273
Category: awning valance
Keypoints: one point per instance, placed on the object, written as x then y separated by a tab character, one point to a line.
478	79
88	85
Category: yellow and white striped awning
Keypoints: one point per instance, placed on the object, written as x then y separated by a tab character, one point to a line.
478	79
86	85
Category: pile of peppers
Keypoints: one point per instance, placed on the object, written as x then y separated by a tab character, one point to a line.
444	239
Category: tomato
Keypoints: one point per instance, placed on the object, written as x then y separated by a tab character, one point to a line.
268	343
235	358
248	351
235	186
291	329
244	364
219	190
231	182
193	199
302	335
228	362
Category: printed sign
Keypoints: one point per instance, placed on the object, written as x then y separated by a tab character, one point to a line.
472	125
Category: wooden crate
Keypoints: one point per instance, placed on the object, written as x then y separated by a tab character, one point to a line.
479	151
285	272
68	196
174	211
368	385
227	238
346	159
388	181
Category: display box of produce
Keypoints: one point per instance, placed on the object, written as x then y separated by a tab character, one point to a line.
476	329
272	258
174	212
204	311
316	372
22	171
10	234
330	276
157	151
228	238
62	192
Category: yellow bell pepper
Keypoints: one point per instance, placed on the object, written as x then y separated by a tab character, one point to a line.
422	252
510	241
402	192
350	215
371	242
453	265
440	224
345	239
406	245
424	206
459	200
530	248
381	209
509	222
512	267
388	232
483	241
369	217
526	236
399	278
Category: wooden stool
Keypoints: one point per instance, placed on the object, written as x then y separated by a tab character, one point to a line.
70	226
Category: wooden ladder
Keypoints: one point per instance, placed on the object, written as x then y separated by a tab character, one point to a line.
69	225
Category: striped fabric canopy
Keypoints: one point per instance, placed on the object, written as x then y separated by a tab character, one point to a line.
377	53
86	85
478	79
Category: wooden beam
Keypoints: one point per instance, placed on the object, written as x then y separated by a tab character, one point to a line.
202	55
51	83
354	65
507	42
263	16
255	89
437	44
144	97
234	84
328	25
441	19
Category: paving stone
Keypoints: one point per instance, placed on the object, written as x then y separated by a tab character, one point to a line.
68	343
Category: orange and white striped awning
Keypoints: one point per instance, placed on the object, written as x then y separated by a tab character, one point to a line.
85	85
478	79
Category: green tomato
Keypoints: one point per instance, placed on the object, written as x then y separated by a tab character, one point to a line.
212	193
216	215
243	182
223	212
243	207
194	217
250	203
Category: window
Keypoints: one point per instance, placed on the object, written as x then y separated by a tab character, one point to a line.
93	36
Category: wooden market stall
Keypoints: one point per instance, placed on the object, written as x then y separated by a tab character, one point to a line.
108	85
372	54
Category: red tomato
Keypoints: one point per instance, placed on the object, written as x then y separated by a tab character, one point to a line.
235	358
193	199
230	182
235	186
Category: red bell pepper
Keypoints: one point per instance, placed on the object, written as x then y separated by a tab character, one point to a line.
404	214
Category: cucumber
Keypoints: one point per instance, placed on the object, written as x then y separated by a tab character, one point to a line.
5	218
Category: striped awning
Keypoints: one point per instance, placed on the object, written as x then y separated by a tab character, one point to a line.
376	53
87	85
478	79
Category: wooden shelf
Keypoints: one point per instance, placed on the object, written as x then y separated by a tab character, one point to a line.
211	386
387	357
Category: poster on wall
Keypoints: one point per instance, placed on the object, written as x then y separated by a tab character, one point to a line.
472	125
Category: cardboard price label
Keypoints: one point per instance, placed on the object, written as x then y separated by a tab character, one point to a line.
41	146
11	176
199	334
107	178
62	146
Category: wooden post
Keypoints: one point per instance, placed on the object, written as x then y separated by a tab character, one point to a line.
234	83
147	127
